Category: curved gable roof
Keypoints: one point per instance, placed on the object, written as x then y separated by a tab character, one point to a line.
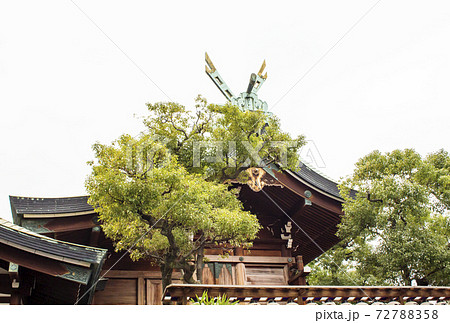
317	180
37	205
21	238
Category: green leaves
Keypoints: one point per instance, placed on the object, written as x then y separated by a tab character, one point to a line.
163	195
149	203
397	225
209	300
221	141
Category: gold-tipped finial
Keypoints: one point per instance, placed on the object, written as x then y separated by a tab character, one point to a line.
261	70
210	68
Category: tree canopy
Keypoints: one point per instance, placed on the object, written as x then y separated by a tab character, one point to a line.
220	141
396	226
164	195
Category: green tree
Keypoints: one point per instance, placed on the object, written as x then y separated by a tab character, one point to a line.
338	267
164	194
220	141
396	226
155	207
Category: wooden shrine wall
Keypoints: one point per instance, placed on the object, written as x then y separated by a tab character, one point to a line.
132	288
138	283
247	270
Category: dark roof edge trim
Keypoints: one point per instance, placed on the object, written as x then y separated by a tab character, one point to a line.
21	230
315	187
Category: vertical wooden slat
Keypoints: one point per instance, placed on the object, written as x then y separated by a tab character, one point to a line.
225	277
208	276
141	291
286	274
240	274
154	292
240	268
233	270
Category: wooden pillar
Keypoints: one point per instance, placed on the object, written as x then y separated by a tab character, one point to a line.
300	300
16	297
95	233
301	270
241	278
141	291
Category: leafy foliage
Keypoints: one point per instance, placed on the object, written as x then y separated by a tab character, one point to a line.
207	300
221	141
164	198
397	227
160	210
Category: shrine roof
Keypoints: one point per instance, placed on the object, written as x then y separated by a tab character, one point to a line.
21	238
37	205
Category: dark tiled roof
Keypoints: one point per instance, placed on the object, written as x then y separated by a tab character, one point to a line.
17	236
319	181
36	205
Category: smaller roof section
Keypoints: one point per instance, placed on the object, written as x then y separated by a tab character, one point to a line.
20	238
39	257
37	207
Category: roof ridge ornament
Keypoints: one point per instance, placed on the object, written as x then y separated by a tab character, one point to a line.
246	100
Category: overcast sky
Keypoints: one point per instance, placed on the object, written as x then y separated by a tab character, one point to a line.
67	81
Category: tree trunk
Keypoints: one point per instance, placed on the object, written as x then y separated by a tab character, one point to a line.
200	256
166	274
188	272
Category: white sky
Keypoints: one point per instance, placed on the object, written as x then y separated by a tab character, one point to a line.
64	85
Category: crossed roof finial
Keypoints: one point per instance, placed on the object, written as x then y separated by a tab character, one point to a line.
246	100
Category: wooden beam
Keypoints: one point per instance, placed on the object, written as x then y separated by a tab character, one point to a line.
56	215
190	290
71	224
136	274
250	259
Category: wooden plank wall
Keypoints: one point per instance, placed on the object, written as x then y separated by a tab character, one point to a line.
132	288
263	264
133	291
252	270
265	276
145	287
117	291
